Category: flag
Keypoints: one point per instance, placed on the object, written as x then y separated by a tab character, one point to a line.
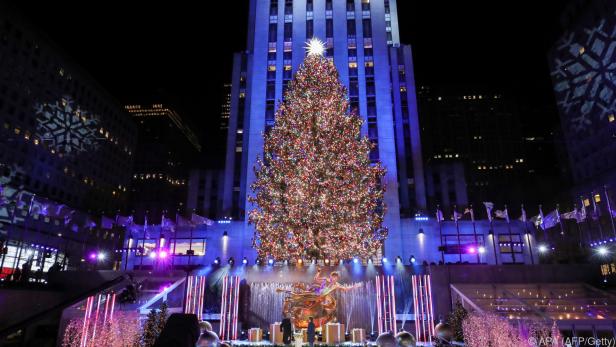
582	212
536	220
596	211
197	219
456	216
106	222
183	222
502	214
167	223
439	215
570	215
124	220
89	223
523	216
469	210
489	206
550	220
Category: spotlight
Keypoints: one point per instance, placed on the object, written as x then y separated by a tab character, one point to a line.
286	262
355	260
153	255
299	261
398	259
412	259
421	231
217	260
225	234
370	260
384	260
245	261
491	232
92	256
231	261
542	248
162	254
603	251
258	261
481	250
472	250
270	261
101	256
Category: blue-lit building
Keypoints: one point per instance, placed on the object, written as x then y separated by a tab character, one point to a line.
583	69
362	39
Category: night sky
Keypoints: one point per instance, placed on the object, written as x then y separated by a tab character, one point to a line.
179	52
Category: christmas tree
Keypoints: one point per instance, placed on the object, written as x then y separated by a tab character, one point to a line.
455	319
317	194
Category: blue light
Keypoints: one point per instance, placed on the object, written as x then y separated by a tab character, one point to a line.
355	260
223	222
422	218
384	260
245	261
271	261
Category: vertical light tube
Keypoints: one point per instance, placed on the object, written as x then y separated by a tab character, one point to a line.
378	304
414	283
98	306
84	329
223	308
113	297
393	302
237	304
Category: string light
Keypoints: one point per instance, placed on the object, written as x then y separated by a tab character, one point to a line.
317	193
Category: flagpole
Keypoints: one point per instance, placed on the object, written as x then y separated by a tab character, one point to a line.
489	212
175	237
609	210
510	235
528	239
588	225
439	216
577	224
596	214
475	233
455	218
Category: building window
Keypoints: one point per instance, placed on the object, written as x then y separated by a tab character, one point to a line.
288	31
273	7
329	27
351	29
309	29
288	7
272	32
365	5
367	27
309	5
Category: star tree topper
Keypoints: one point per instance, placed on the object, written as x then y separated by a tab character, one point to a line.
315	47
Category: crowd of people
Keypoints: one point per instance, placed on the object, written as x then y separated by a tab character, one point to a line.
26	275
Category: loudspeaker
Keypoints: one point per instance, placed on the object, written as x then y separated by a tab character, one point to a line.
181	330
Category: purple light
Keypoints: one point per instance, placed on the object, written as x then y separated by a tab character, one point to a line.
471	250
153	255
162	254
92	256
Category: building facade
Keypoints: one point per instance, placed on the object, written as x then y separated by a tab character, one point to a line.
67	151
478	131
362	40
205	188
166	148
582	64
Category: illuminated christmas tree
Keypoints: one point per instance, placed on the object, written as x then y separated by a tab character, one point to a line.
317	194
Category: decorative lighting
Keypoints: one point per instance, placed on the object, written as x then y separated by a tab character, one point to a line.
481	250
231	261
153	255
420	232
398	259
315	47
542	248
384	260
245	261
412	259
355	260
270	261
472	250
603	251
326	261
162	254
217	260
225	234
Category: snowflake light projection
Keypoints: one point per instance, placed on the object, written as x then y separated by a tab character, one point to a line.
66	128
584	75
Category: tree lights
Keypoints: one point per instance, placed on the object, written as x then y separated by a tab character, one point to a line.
316	192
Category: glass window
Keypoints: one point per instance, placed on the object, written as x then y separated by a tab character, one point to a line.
182	246
272	32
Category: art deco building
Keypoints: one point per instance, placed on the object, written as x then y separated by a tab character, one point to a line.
362	40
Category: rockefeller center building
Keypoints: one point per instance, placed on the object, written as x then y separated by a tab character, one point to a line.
66	153
582	65
362	39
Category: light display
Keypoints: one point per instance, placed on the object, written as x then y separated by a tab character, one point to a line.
317	194
584	75
64	127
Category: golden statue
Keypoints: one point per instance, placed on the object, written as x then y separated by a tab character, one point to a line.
314	300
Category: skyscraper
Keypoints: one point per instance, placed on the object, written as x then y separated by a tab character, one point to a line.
166	147
225	108
362	39
582	64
